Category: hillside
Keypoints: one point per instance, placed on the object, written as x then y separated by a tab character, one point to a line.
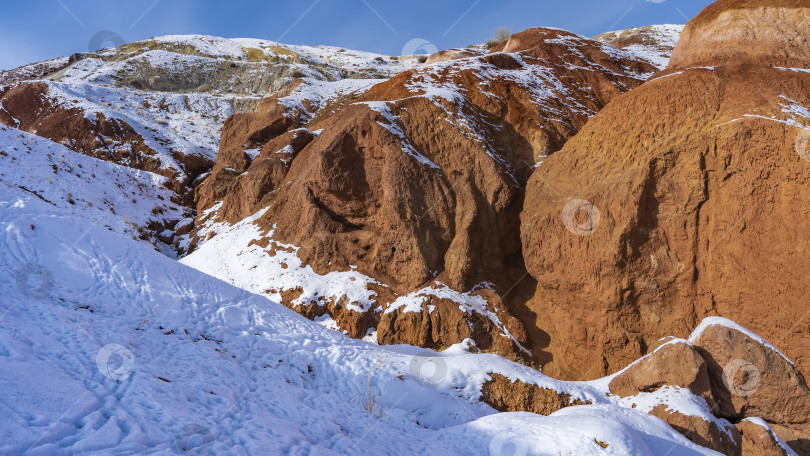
115	347
549	244
654	43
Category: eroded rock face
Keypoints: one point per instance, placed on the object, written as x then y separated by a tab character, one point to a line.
505	395
677	201
418	180
735	32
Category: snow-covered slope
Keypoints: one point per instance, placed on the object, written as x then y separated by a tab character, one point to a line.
127	201
110	347
653	43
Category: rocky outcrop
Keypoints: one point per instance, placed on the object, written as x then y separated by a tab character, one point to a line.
759	439
674	364
680	200
736	374
750	378
441	322
701	431
418	180
506	395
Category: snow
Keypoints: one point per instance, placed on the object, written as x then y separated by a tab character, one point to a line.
236	48
720	321
313	95
794	108
660	40
801	70
122	350
579	431
395	129
679	400
276	268
118	198
168	123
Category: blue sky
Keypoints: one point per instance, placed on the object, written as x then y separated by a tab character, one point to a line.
33	30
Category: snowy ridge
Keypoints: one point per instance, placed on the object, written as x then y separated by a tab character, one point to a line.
313	95
237	48
239	68
720	321
549	93
653	43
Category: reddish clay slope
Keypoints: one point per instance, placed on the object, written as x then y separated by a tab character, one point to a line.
684	198
29	107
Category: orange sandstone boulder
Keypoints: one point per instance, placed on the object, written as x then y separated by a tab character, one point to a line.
675	364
